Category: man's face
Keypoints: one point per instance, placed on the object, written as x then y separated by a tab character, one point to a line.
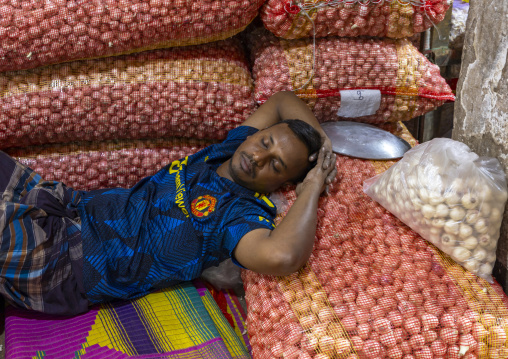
268	159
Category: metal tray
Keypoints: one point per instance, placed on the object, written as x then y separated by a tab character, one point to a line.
364	141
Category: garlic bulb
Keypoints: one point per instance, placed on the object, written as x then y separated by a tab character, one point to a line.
470	243
428	211
470	201
461	254
472	265
484	240
481	226
451	227
472	216
485	209
448	240
479	254
435	198
438	222
465	231
451	198
485	270
457	213
424	195
495	215
442	210
435	230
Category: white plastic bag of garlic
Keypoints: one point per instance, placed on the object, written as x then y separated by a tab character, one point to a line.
451	197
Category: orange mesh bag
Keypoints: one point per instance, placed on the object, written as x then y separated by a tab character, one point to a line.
43	32
293	19
373	288
91	166
197	91
406	83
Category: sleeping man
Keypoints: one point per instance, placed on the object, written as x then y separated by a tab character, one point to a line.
63	250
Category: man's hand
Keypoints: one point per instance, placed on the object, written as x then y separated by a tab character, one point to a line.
323	173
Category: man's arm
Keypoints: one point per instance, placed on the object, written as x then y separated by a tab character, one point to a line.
284	105
288	247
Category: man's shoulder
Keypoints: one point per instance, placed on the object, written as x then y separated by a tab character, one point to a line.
225	149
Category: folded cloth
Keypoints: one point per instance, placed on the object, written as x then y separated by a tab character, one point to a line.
228	316
41	256
170	324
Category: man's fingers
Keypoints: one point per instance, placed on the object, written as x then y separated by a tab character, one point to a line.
331	176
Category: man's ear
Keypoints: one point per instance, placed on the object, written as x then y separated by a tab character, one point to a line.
313	157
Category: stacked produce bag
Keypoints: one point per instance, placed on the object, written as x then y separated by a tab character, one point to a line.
373	287
409	85
394	19
60	84
38	33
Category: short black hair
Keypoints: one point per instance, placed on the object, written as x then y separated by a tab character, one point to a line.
310	138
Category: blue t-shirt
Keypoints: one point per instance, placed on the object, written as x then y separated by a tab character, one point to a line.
170	226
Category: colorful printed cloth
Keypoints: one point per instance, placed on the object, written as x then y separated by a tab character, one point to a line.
41	257
176	323
230	307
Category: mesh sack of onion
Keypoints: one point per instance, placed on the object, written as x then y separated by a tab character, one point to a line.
94	165
373	288
197	91
408	83
383	18
42	32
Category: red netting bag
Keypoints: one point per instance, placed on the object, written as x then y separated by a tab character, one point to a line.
42	32
94	165
373	288
407	84
197	91
293	19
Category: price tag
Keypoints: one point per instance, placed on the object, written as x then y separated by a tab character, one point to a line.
358	103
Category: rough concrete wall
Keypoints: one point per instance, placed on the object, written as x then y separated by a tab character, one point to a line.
481	108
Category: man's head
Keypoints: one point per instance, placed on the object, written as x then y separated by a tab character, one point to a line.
275	156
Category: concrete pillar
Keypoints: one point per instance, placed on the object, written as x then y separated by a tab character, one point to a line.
481	109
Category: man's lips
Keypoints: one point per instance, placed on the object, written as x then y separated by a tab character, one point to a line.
246	164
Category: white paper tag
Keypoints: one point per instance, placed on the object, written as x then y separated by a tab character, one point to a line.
357	103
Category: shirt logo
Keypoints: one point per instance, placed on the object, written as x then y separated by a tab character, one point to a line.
203	205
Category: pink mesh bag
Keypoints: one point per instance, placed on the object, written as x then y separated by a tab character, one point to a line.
373	288
42	32
199	91
95	165
293	19
408	83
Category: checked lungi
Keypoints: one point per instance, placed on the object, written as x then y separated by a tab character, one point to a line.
41	256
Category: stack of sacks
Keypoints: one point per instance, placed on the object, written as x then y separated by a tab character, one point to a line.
95	165
196	91
408	83
37	33
382	18
58	85
373	288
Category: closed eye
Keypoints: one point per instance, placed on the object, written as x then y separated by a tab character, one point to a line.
274	166
264	143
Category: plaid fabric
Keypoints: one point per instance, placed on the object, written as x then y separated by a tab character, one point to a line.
40	242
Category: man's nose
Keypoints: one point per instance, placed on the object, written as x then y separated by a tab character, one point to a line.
260	158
